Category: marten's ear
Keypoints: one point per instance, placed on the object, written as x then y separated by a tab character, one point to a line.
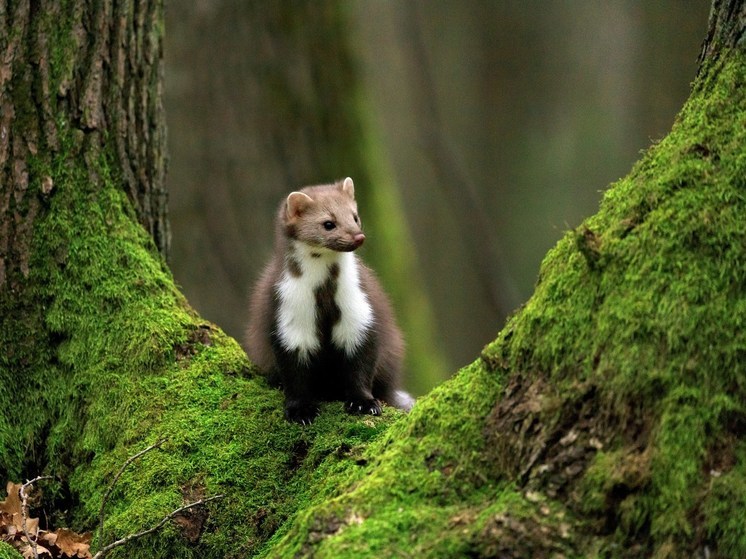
297	203
348	187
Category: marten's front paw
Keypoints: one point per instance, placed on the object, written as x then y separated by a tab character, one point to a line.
301	412
364	406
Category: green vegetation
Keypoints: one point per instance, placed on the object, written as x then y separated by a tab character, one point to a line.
417	479
7	552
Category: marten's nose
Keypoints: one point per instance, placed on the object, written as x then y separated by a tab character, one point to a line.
358	239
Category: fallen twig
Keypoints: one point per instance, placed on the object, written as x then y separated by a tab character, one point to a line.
32	539
114	482
24	513
104	550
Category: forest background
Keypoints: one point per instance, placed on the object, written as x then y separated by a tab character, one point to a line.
520	111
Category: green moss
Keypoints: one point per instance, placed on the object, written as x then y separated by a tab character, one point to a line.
420	476
727	497
58	27
7	552
647	302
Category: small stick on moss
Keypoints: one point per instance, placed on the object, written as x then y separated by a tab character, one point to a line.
104	550
24	512
129	461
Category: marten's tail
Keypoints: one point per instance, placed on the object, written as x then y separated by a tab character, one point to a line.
401	399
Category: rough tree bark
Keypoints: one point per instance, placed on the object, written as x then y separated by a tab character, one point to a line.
80	99
105	81
606	420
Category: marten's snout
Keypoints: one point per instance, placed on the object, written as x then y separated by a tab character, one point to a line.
358	239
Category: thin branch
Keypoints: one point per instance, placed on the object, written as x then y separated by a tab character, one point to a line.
31	541
104	550
24	512
129	461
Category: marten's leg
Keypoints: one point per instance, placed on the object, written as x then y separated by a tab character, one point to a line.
296	377
359	369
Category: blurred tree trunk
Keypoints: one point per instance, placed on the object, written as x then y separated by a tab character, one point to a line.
283	109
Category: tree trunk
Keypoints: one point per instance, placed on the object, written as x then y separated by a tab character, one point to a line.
84	80
607	419
80	108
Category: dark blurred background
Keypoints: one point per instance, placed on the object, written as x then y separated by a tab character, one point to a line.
477	132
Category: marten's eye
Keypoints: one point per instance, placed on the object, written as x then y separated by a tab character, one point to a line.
356	218
329	225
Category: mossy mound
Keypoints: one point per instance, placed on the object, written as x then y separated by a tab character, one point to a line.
429	490
636	333
113	360
621	403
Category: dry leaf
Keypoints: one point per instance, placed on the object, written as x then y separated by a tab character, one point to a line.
10	530
48	539
41	551
11	516
11	506
60	544
72	544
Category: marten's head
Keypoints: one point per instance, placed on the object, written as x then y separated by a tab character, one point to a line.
324	216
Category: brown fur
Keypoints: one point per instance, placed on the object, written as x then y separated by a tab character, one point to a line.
304	211
301	217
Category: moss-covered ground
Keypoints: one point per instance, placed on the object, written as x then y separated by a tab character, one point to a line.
7	552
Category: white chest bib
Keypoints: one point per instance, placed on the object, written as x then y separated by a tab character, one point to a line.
297	313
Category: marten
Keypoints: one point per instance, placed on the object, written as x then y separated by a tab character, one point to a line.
321	326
